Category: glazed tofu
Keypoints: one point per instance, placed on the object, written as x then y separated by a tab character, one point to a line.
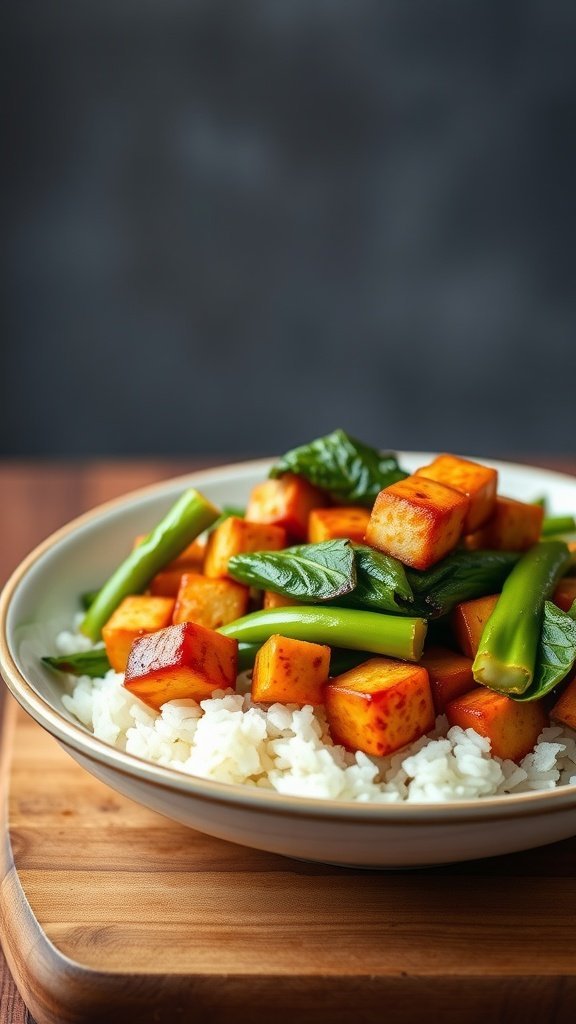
290	671
565	593
210	602
380	706
514	526
183	661
236	536
511	726
333	523
417	521
564	709
286	502
450	675
468	621
134	617
477	482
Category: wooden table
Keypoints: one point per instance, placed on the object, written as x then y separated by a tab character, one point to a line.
37	498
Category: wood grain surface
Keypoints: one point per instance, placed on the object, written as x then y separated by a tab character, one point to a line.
131	917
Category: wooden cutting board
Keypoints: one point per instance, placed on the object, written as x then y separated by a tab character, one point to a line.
112	913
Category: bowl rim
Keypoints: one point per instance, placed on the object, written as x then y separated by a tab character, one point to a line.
76	736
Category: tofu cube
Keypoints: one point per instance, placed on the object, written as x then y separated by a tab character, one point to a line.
210	602
332	523
167	583
468	621
234	537
286	502
272	600
565	593
564	709
134	616
450	675
185	661
511	726
380	706
290	671
417	521
514	526
477	482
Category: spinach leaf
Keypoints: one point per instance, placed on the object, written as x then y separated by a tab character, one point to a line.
311	572
350	471
380	580
460	576
85	663
556	652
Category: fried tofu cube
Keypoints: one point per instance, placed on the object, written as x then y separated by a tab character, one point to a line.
468	621
210	602
333	523
450	675
290	671
234	537
167	583
565	593
272	600
285	502
417	521
134	616
380	706
564	709
514	526
185	661
511	726
477	482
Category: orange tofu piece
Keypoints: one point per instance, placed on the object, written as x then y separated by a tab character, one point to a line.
134	616
285	502
477	482
564	709
511	726
450	675
272	600
514	526
182	661
332	523
417	521
235	536
468	621
379	706
210	602
166	583
290	671
565	593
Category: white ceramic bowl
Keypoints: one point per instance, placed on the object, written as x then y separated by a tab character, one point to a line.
41	599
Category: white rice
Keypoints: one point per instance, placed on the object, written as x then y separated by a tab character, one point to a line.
288	749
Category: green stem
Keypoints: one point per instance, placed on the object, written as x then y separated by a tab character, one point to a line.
557	524
506	656
396	636
190	515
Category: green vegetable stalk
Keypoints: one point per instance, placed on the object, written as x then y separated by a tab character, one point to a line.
84	663
557	524
506	657
396	636
190	515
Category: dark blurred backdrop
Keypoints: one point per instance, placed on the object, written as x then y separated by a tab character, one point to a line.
229	227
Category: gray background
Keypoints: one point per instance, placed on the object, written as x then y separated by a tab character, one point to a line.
231	227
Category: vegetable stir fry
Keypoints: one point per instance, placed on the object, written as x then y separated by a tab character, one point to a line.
385	597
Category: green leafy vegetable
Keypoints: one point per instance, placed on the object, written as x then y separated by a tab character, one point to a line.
556	651
380	582
350	471
85	663
459	577
313	572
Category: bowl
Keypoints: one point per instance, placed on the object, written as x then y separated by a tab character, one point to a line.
41	598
